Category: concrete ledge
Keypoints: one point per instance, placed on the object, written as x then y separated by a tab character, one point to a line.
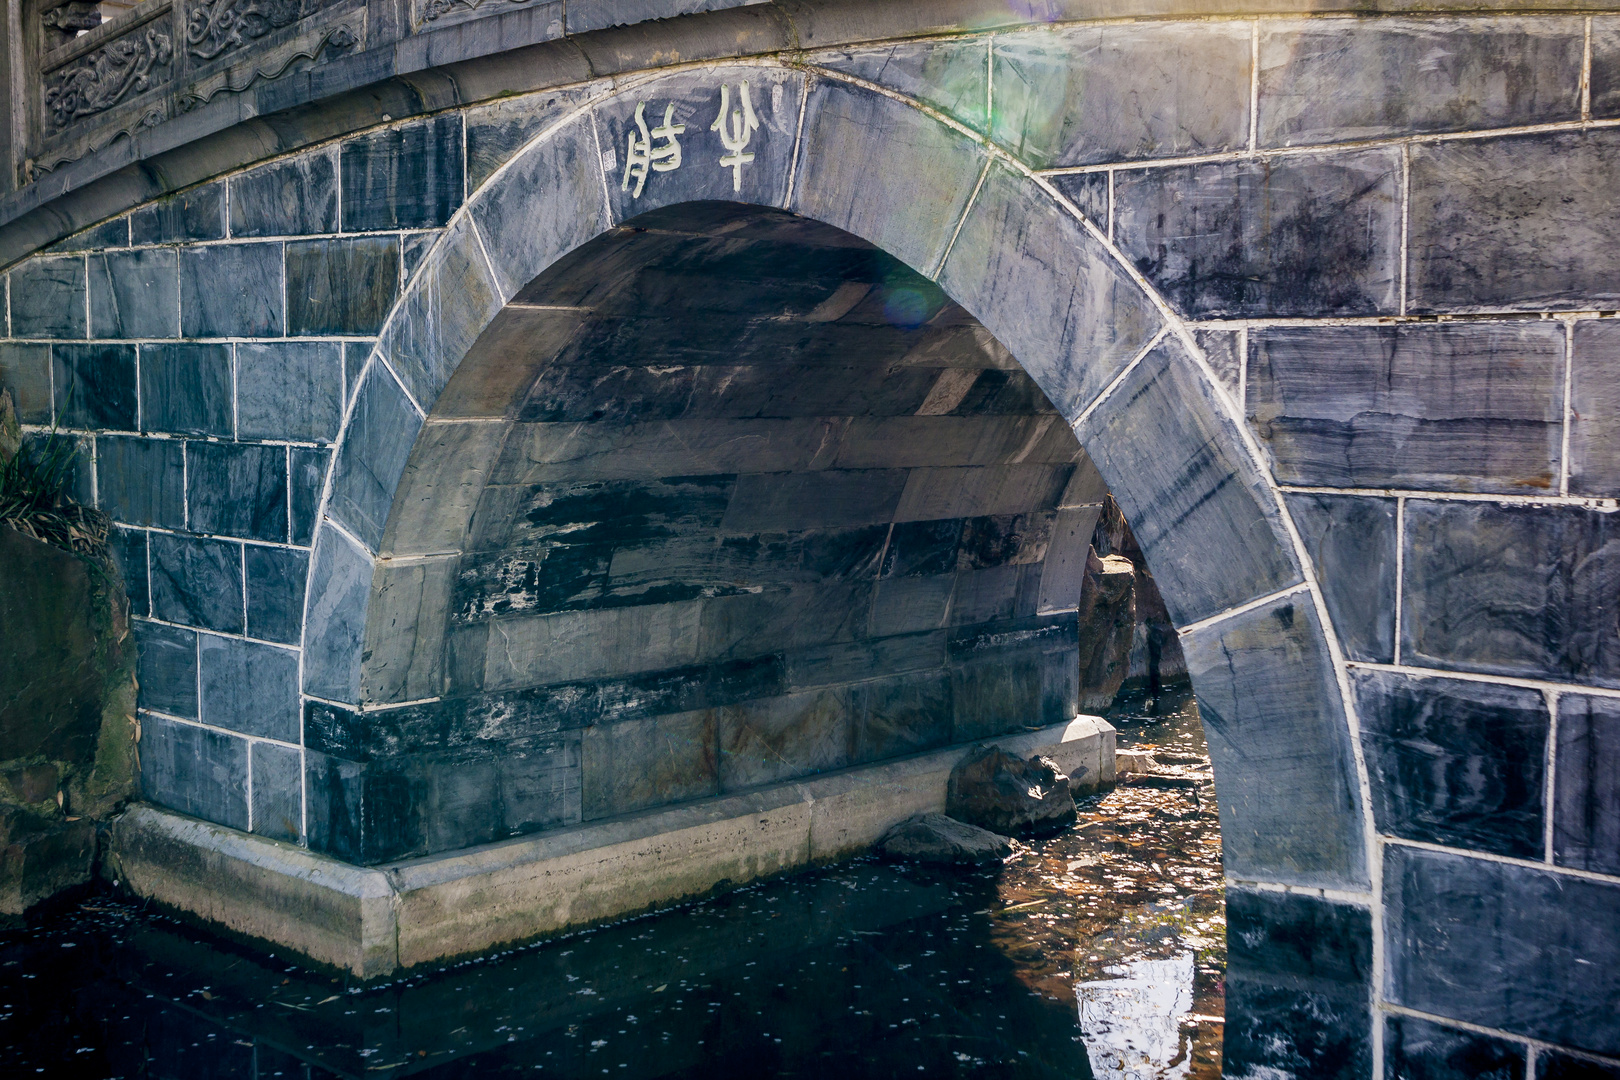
373	921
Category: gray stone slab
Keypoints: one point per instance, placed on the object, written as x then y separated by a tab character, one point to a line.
1063	571
1594	409
1605	67
1222	350
108	234
129	554
771	739
1339	80
278	786
640	763
250	688
493	379
847	128
999	592
408	176
289	198
903	715
186	389
537	453
142	481
778	502
937	494
450	302
355	355
1462	764
1514	590
275	592
497	131
194	770
381	431
1203	515
25	370
574	645
1414	1047
587	15
1269	699
134	294
289	390
235	489
405	627
1047	290
197	214
341	286
1122	92
335	618
995	697
1457	407
1502	946
232	290
1486	232
440	488
845	662
167	668
1351	542
1554	1065
756	623
47	298
1586	815
306	479
197	582
952	76
1090	193
1299	236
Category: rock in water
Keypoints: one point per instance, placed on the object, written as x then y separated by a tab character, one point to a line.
935	838
1107	626
994	790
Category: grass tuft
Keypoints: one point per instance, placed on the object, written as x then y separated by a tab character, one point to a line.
34	479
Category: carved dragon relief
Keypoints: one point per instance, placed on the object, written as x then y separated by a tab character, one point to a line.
96	82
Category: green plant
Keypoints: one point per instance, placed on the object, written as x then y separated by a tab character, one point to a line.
34	478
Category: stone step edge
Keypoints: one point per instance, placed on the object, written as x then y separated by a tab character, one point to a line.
373	921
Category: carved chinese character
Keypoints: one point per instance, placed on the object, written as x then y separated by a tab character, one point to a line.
643	155
736	134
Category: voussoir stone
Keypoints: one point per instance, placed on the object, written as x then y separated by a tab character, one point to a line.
935	838
994	790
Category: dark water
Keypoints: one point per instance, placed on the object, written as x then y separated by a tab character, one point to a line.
1099	951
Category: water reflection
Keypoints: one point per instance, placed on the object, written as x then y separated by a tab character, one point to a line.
1097	950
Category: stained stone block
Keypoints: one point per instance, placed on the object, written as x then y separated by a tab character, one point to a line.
95	386
997	696
911	605
167	668
142	481
335	618
108	234
1605	75
47	298
355	355
495	376
952	76
773	739
1594	409
1122	92
776	502
1459	407
903	715
135	294
198	214
1269	698
1586	817
278	787
306	470
290	198
1335	80
25	370
1205	520
194	770
1063	572
1048	292
1552	1065
1457	763
936	494
1296	236
186	389
1222	350
1090	194
275	592
231	290
1503	946
129	554
414	248
450	302
197	582
250	688
404	177
289	390
235	489
1420	1050
640	763
405	627
354	815
440	487
591	644
847	128
1514	590
845	662
1351	543
1297	986
496	132
1484	232
343	286
773	96
381	431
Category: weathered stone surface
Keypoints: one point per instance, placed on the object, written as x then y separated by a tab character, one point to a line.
404	177
1586	811
95	386
497	131
903	715
232	290
952	76
1351	542
197	582
1552	1065
343	286
335	618
278	783
1593	405
47	297
275	592
128	547
774	739
249	687
584	644
1122	92
198	214
1471	940
380	433
1462	764
1336	80
134	294
935	838
289	198
237	490
289	390
405	626
306	469
186	389
1414	1047
168	668
640	763
142	481
39	859
1297	236
108	234
1221	349
194	770
1459	407
1515	590
1522	221
438	493
830	498
992	789
25	370
1107	613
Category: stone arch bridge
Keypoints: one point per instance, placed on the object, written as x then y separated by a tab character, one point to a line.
520	417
